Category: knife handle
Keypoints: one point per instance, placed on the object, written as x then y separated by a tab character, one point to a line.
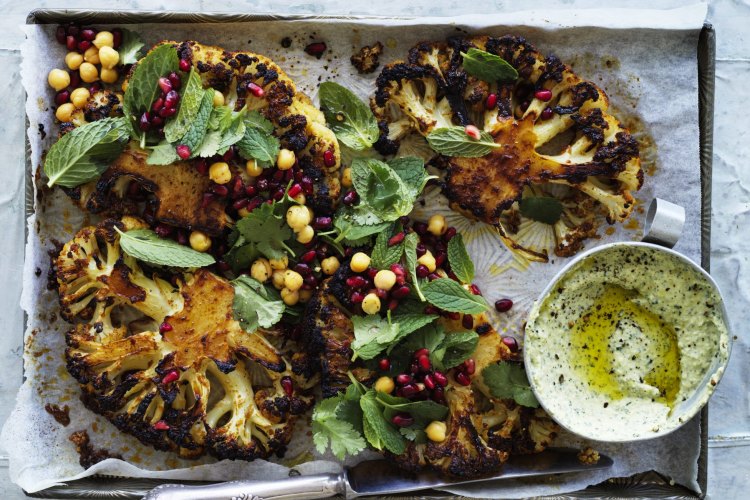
293	488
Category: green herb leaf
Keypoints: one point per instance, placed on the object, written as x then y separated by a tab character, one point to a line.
254	119
384	255
221	118
408	324
380	189
380	433
541	208
430	336
145	245
328	428
143	86
453	141
371	335
253	306
449	295
191	99
84	153
129	48
196	132
241	255
412	172
414	434
456	348
266	228
349	118
410	254
257	144
459	259
508	380
488	67
163	153
355	234
423	412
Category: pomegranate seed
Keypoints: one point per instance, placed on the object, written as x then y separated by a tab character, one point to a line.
525	106
429	382
73	30
467	321
202	166
219	190
511	343
303	268
420	228
433	276
183	151
491	102
503	305
424	363
438	395
170	376
475	289
184	65
440	379
157	105
421	352
322	251
453	315
88	34
223	265
163	230
329	159
392	304
62	97
95	87
167	112
463	378
256	90
60	35
171	100
413	368
279	194
278	176
84	45
288	176
409	391
350	198
473	132
357	298
165	85
175	80
398	269
382	294
262	184
401	292
295	190
543	95
421	249
372	272
470	366
240	203
287	385
440	259
422	271
308	256
116	38
384	364
75	79
322	222
207	199
254	203
161	425
182	239
157	121
431	310
165	327
547	113
144	123
396	239
251	190
316	49
404	379
238	187
449	234
307	185
71	43
402	420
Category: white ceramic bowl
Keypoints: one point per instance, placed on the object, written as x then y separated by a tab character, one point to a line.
578	399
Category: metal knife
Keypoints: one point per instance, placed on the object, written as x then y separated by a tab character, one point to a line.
373	477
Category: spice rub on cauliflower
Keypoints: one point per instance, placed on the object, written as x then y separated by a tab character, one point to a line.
163	358
551	128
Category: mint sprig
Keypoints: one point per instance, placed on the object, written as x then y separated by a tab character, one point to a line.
459	259
349	118
449	295
145	245
488	67
453	141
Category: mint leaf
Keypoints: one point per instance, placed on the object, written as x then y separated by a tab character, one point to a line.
221	117
84	153
380	189
410	254
541	208
384	255
329	429
253	306
412	172
456	348
423	412
259	145
461	264
145	245
130	47
509	381
196	131
191	99
380	433
163	153
355	234
408	324
266	228
453	141
448	295
430	336
488	67
349	118
372	334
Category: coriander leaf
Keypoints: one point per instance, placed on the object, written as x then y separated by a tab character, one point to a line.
145	245
221	117
508	380
429	337
456	348
267	230
414	434
371	335
210	145
380	189
349	118
196	131
259	145
232	134
130	47
459	259
253	307
383	254
408	324
327	428
453	141
143	86
423	412
254	119
449	295
191	98
410	253
84	153
380	433
541	208
412	172
163	153
355	234
488	67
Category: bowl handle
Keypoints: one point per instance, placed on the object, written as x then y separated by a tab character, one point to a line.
664	222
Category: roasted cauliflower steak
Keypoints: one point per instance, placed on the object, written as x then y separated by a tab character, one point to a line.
551	127
165	360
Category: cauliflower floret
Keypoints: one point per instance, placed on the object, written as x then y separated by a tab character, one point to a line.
167	362
367	59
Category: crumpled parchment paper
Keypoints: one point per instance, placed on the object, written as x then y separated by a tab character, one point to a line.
646	62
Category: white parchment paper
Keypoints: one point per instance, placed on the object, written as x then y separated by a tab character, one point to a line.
645	60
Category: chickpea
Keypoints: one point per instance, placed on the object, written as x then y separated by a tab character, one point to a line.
79	97
65	112
298	217
124	86
219	172
292	280
360	262
428	260
261	270
92	55
109	75
200	241
253	169
286	159
243	212
385	279
305	296
371	304
346	177
104	39
277	278
281	263
330	265
385	384
88	72
58	79
109	57
218	98
73	60
436	225
306	235
289	297
300	198
436	431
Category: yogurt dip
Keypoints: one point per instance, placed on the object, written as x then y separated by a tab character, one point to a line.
627	343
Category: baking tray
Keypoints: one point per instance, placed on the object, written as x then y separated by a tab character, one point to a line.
645	485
